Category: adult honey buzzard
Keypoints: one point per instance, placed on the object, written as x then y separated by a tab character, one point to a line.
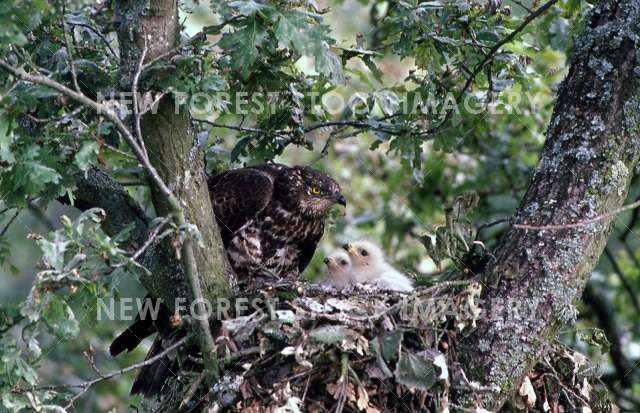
271	218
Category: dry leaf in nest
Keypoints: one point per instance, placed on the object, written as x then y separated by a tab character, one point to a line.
363	398
527	392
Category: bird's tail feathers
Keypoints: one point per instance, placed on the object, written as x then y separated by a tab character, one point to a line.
132	336
152	377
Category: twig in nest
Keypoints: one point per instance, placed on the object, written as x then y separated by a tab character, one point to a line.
192	390
344	382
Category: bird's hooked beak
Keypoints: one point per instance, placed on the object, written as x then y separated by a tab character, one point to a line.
350	249
340	199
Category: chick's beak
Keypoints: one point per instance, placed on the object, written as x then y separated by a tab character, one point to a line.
330	262
340	199
349	248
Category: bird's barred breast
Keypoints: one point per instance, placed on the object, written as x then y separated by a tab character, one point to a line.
269	245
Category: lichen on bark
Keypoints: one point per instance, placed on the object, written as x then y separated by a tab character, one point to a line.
584	171
172	146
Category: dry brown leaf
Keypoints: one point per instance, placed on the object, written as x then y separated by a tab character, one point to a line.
363	398
527	392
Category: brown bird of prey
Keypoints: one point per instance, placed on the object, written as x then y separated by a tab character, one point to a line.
271	218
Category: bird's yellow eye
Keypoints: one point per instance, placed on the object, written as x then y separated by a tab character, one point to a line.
315	190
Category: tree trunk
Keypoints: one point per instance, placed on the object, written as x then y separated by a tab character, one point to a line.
584	171
173	151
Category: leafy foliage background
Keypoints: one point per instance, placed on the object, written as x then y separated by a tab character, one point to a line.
399	171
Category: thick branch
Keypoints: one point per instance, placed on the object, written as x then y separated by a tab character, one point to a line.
585	169
171	143
149	30
171	204
97	189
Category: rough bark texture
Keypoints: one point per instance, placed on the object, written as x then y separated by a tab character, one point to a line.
173	151
584	171
96	189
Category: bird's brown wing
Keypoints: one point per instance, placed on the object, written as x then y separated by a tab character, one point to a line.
239	195
307	249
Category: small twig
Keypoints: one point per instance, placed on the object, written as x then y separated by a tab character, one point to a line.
57	120
580	223
332	137
623	278
192	390
134	91
17	319
152	237
40	213
99	34
153	104
505	40
631	253
21	53
631	224
491	224
116	150
241	128
386	128
86	385
344	382
13	218
92	362
306	387
198	36
67	43
565	388
519	3
489	56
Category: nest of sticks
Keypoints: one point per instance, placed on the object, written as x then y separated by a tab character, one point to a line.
315	349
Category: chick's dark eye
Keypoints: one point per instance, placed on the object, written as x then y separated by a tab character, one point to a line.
364	253
343	263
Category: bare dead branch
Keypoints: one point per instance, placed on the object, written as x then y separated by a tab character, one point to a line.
152	237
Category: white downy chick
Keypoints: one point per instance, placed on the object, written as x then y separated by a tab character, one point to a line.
339	274
368	266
